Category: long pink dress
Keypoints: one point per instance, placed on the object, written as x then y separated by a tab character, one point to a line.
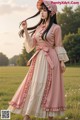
41	93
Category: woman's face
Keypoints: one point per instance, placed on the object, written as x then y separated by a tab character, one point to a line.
43	13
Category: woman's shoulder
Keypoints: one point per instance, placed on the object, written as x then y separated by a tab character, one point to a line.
56	27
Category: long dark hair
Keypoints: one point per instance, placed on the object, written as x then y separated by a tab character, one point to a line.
52	20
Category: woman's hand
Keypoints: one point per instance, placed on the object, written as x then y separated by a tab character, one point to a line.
24	24
63	67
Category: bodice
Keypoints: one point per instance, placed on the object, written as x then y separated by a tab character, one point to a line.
49	38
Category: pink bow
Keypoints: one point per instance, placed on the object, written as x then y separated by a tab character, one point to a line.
46	51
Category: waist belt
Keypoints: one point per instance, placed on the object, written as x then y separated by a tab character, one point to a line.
46	51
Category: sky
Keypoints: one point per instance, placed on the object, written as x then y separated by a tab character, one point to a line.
12	12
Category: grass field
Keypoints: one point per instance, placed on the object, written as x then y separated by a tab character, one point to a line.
11	77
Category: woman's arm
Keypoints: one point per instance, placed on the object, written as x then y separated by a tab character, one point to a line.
60	50
29	41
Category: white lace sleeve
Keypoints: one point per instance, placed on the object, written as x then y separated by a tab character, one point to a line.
29	42
62	54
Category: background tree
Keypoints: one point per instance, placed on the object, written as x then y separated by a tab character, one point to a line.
21	61
24	57
13	60
79	31
69	20
72	45
3	60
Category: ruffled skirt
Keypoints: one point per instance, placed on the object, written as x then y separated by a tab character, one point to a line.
45	96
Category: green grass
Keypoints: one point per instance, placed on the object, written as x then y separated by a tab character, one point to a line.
11	77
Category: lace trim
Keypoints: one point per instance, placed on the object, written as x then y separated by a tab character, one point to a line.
62	54
55	109
63	57
26	86
47	88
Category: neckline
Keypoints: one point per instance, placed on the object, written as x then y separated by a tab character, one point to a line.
44	25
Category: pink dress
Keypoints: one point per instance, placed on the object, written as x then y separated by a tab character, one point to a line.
41	93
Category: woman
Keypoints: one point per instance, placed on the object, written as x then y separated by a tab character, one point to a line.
41	93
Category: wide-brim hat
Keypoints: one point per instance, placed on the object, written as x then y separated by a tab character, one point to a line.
49	4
